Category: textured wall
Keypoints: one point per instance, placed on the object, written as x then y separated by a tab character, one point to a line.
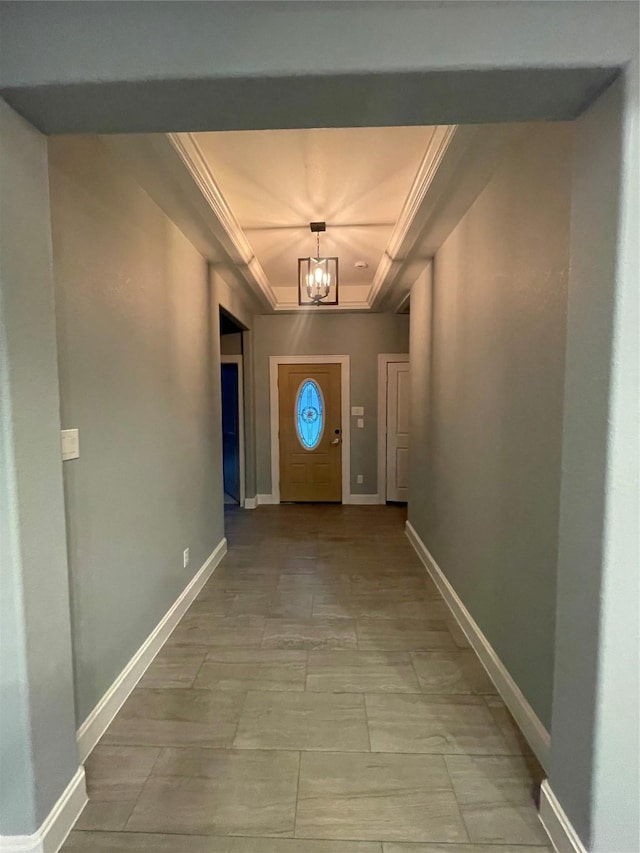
139	378
488	404
360	336
38	754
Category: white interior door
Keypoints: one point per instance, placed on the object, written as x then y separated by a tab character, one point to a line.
397	431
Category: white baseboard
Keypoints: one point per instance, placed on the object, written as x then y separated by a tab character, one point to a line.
530	725
264	500
556	823
364	500
250	503
51	835
99	719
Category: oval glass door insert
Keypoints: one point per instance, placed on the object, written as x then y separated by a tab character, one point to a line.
309	414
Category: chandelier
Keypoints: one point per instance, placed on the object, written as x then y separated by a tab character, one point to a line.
317	277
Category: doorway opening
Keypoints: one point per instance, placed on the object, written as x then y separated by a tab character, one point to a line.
232	399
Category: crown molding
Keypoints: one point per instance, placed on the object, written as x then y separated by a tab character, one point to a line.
344	307
434	155
236	243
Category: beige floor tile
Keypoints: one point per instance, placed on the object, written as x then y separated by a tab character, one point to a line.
110	817
361	672
176	717
495	795
510	732
432	724
403	635
219	792
234	603
117	773
221	631
451	672
352	606
291	605
341	588
253	669
376	797
463	848
174	666
142	842
425	609
310	634
306	721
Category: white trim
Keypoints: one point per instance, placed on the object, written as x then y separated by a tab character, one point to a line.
238	359
241	251
345	396
384	358
342	307
529	723
99	719
364	500
556	823
265	500
57	825
436	149
251	503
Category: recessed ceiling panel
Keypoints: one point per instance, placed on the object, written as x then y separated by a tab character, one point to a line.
355	179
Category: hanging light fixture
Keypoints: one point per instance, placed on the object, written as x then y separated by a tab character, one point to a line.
317	277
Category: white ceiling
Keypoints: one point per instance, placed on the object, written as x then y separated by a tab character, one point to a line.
276	181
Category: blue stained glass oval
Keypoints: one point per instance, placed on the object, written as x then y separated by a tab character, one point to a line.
309	414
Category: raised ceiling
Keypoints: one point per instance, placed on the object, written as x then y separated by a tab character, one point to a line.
275	182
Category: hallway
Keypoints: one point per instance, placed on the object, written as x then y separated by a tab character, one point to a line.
316	690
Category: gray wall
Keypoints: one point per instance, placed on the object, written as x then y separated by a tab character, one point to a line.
360	336
595	769
139	378
38	753
487	417
231	344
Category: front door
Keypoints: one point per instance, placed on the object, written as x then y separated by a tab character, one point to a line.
310	432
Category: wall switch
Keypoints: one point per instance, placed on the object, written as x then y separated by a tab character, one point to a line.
360	423
185	558
359	479
357	410
70	444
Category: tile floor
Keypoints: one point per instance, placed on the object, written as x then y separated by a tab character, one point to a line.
316	698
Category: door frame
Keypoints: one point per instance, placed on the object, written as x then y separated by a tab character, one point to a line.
274	407
238	359
384	359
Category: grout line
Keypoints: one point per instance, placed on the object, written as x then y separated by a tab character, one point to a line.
295	811
456	800
142	787
366	719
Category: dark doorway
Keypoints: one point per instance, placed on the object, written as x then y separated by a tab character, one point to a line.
232	403
230	433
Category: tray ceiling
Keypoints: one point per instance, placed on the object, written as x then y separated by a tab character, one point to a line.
275	182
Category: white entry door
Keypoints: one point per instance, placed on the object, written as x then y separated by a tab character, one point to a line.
397	431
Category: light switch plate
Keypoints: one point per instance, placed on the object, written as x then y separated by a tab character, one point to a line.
360	423
357	410
70	444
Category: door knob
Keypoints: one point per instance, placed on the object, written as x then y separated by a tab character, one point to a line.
336	440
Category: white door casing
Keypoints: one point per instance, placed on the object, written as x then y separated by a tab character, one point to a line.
397	431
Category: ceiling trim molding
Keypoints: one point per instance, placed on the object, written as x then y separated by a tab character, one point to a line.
455	170
431	162
343	307
240	249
